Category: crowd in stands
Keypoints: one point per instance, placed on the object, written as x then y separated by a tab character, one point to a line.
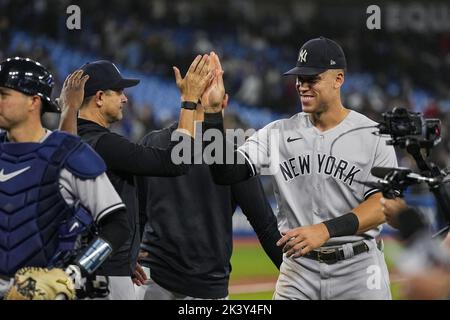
256	40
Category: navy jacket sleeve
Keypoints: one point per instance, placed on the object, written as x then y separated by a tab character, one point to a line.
122	155
250	196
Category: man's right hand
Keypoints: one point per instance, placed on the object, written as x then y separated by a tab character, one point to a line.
72	93
198	77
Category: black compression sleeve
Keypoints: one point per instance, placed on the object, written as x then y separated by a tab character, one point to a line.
250	196
122	155
114	228
224	173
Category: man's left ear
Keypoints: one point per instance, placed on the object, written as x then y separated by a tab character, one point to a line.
339	81
36	103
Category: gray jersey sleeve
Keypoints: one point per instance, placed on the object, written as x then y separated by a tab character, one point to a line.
261	151
384	157
97	195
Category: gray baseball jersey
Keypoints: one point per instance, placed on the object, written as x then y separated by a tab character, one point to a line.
313	183
97	195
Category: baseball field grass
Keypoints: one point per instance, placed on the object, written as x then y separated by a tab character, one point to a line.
253	276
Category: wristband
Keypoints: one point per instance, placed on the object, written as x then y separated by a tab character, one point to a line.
94	255
346	225
189	105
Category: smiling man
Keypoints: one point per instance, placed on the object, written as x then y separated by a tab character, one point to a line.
329	222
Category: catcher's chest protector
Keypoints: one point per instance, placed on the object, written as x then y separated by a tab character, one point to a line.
31	206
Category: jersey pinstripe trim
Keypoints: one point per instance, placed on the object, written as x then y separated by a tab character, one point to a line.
97	195
108	210
248	161
370	192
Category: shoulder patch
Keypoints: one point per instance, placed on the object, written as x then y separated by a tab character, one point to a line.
85	163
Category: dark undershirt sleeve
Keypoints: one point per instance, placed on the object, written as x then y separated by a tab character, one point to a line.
226	174
114	228
250	196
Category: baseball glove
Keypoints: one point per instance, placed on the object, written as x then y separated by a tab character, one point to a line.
41	284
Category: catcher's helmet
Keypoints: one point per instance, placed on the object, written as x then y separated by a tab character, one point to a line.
30	78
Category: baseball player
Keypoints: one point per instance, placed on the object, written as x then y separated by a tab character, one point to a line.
104	99
52	185
329	221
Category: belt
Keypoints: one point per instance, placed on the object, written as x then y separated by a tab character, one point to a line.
333	255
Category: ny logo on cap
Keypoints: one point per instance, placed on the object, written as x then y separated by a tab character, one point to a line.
302	55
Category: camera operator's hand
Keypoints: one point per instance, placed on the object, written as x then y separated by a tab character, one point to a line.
391	208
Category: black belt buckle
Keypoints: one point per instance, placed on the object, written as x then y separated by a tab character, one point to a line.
323	252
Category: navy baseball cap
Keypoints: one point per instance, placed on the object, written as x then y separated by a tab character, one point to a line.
104	75
317	56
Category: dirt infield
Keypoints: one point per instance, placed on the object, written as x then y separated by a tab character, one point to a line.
252	285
